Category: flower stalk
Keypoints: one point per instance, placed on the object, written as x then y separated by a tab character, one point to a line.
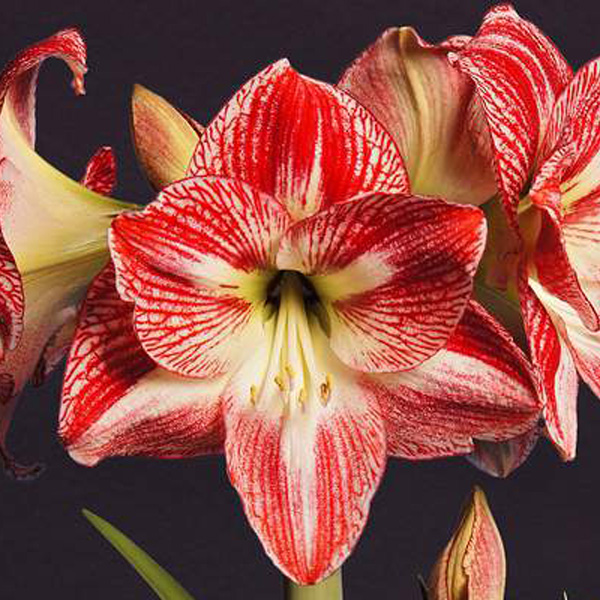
328	589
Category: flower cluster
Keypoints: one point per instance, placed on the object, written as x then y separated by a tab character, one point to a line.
400	264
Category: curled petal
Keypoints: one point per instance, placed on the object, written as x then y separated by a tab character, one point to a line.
424	102
473	564
164	137
394	273
554	363
518	74
66	222
195	263
116	401
301	141
479	387
306	478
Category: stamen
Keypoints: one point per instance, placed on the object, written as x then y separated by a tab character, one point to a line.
280	383
290	372
325	390
253	395
302	397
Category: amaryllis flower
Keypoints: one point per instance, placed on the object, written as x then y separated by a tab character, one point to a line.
544	140
291	304
52	231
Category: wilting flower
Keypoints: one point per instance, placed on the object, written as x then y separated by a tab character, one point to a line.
473	564
544	140
292	304
53	231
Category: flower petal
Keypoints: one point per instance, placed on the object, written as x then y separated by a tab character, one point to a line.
164	137
518	74
12	301
553	268
556	369
301	141
393	272
478	387
101	172
306	478
424	102
116	401
195	263
500	459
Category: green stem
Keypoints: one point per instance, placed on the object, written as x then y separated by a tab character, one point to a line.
328	589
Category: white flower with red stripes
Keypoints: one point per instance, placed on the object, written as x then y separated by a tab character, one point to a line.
543	138
290	303
52	232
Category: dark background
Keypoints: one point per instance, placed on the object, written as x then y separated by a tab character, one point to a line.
184	512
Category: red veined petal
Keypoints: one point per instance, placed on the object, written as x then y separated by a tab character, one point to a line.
424	102
12	301
17	89
500	459
583	343
301	141
101	172
556	370
116	401
164	137
553	268
518	73
479	387
393	272
19	77
306	476
66	222
197	263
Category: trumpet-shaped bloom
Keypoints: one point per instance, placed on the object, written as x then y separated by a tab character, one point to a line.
53	231
544	139
292	304
473	563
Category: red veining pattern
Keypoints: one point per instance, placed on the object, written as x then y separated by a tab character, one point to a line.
478	387
430	250
105	365
518	74
301	141
101	172
556	370
181	261
308	512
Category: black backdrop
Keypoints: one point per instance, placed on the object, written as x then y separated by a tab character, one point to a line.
184	512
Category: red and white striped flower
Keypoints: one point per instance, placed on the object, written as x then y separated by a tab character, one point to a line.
52	231
544	140
291	304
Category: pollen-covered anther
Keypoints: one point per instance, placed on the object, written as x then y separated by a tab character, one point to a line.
280	382
325	390
253	395
302	397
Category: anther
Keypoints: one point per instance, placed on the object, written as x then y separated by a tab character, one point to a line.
290	372
253	392
280	383
325	390
302	397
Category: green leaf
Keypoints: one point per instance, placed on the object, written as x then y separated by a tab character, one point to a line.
153	574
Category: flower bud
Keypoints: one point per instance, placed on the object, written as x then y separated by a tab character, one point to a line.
473	564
